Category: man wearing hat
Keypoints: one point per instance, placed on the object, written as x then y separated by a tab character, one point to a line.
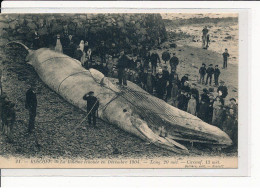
155	59
225	58
92	106
222	89
165	73
160	85
210	72
216	75
174	61
166	78
166	56
203	110
31	105
122	64
182	101
202	73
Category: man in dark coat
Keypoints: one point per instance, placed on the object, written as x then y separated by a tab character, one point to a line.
208	40
160	86
122	64
223	89
210	109
204	96
31	105
202	73
216	75
102	50
165	74
69	45
210	72
182	101
154	60
92	106
225	58
174	61
147	60
166	56
204	36
203	110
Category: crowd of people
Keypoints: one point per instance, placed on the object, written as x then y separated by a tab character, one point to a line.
143	66
8	113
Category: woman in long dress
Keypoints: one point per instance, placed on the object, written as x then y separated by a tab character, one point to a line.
82	48
217	112
58	46
192	105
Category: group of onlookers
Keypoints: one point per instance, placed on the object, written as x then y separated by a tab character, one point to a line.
8	113
143	67
210	72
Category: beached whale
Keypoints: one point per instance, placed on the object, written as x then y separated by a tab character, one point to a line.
132	109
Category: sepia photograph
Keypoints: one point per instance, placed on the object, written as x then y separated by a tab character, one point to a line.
119	90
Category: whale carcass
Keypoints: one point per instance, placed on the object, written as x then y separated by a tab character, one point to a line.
131	109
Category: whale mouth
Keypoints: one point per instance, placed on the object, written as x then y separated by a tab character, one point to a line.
158	138
164	128
163	138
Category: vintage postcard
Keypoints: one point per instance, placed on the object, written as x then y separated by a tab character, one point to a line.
120	90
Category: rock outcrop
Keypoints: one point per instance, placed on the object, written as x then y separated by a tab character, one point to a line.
125	30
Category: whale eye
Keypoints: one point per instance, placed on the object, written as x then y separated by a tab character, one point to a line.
124	110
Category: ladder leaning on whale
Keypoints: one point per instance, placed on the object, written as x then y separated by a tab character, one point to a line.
131	109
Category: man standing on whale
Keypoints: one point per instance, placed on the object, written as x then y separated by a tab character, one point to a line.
123	62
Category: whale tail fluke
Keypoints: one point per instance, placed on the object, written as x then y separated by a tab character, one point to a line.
19	43
30	52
